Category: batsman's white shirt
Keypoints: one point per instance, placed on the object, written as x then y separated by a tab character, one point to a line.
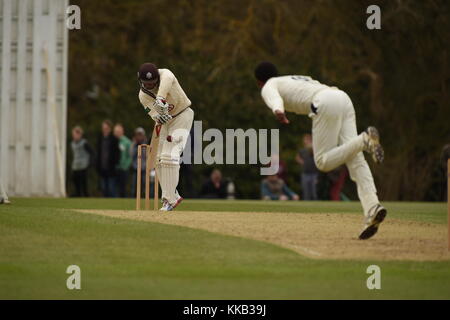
335	138
170	89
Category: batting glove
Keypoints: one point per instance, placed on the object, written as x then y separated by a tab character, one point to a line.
163	118
161	106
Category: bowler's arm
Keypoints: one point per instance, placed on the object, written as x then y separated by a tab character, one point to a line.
273	100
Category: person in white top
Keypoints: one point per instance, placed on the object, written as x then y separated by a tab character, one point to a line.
167	104
335	138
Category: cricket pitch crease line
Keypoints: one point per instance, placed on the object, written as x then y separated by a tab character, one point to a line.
307	251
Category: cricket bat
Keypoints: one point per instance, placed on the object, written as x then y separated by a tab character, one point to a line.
150	164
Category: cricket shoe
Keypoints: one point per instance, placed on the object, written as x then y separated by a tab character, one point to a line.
372	144
372	221
169	207
4	201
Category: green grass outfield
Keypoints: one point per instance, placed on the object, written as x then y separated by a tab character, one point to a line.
125	259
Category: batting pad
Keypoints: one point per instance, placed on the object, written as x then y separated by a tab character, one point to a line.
169	173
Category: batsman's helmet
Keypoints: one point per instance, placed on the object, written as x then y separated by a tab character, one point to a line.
148	72
265	70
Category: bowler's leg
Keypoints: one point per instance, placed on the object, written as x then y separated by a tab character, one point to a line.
357	166
360	173
329	151
328	155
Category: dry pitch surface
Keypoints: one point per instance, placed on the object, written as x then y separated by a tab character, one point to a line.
319	236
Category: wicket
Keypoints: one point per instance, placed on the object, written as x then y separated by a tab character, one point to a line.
147	179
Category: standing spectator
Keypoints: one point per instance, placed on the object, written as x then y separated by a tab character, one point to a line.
215	187
82	158
274	188
138	139
305	158
123	168
337	178
107	160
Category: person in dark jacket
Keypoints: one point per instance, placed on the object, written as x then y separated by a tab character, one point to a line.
215	187
310	173
82	158
108	156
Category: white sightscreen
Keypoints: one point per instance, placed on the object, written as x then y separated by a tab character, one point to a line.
33	88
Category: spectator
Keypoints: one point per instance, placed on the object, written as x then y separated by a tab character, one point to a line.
138	139
215	187
82	158
123	168
337	177
108	158
305	158
282	167
274	188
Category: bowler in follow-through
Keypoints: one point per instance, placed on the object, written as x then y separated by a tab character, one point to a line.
335	138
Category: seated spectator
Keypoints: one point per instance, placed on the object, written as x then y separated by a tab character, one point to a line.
274	188
82	158
282	167
215	187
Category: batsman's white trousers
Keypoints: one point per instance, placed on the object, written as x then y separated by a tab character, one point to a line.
336	141
173	137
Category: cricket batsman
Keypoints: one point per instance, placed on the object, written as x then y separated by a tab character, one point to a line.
166	103
335	138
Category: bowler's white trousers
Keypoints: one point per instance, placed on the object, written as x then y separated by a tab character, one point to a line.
172	140
336	142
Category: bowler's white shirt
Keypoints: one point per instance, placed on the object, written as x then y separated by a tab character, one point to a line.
291	93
